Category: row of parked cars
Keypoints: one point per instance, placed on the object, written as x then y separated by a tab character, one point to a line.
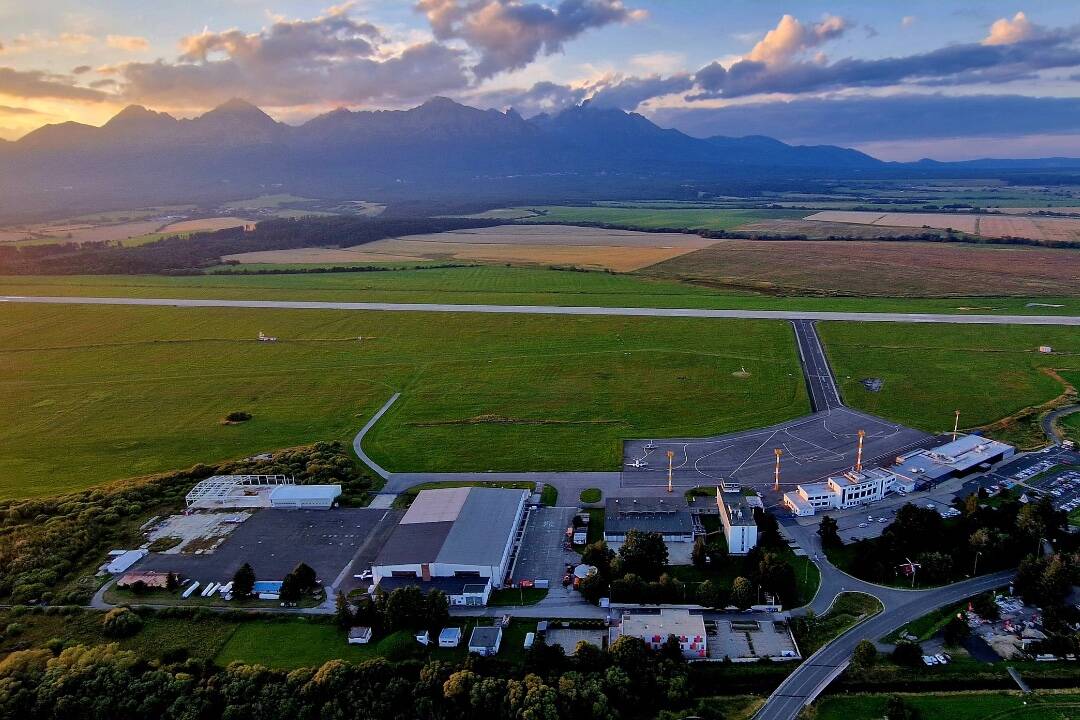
939	659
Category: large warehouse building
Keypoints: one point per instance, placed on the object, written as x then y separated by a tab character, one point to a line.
668	517
458	540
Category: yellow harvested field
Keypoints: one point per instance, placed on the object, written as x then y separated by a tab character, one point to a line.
1072	210
218	223
79	232
1048	229
621	250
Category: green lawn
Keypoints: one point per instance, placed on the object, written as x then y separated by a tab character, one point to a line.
1042	705
301	642
549	495
986	371
96	393
497	284
847	610
591	495
928	625
807	576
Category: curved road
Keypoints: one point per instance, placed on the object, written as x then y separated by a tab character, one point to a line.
559	310
1049	422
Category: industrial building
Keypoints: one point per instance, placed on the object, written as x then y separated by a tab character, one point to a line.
666	516
260	491
304	497
954	459
737	517
654	630
458	540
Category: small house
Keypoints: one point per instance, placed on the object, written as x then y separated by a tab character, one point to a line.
450	637
359	635
485	640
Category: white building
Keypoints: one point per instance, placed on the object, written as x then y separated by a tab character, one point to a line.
737	517
688	630
839	492
359	635
121	561
304	497
457	540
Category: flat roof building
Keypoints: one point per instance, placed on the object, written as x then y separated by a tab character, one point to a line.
688	630
737	517
304	497
671	518
485	640
456	536
952	459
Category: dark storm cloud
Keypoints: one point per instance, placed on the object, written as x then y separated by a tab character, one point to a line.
38	84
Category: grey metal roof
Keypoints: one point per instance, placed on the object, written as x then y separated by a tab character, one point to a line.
449	585
485	637
662	515
477	536
414	543
483	527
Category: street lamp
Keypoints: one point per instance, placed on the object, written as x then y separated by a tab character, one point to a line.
974	570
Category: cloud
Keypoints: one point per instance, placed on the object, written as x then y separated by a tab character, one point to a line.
907	21
9	110
951	65
127	43
542	97
510	34
628	93
330	59
39	84
790	38
81	69
870	119
1007	32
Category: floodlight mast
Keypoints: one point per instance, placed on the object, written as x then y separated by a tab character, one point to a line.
776	474
858	453
956	426
670	458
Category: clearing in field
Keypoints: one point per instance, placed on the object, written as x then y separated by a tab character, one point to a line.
93	394
1035	228
620	250
878	268
928	371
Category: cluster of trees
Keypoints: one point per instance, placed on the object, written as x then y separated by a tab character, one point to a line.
405	608
626	682
46	544
192	253
638	572
983	539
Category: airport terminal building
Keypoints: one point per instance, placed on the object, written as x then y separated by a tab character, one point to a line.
458	540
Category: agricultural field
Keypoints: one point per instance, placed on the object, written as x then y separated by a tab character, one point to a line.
94	394
514	286
583	247
1046	229
113	226
651	218
204	224
878	269
928	371
1010	705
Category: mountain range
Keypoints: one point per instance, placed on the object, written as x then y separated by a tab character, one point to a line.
440	149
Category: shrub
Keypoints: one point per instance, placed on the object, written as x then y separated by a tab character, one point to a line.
121	623
238	416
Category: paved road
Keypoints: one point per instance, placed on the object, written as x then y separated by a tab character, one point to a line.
816	672
560	310
819	378
1049	422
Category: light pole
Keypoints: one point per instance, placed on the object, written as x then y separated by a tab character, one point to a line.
974	570
670	457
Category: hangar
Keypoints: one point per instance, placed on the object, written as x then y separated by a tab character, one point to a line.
458	540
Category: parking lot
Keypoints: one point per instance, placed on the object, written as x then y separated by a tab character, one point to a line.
275	541
1032	473
542	555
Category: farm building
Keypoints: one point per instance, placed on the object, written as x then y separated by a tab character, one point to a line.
688	629
668	517
121	560
458	540
737	517
485	640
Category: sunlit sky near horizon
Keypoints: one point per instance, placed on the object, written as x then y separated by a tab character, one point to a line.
949	80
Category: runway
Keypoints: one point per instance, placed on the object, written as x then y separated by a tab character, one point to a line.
557	310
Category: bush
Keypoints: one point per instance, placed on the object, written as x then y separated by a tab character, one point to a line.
865	654
238	416
907	654
591	495
121	623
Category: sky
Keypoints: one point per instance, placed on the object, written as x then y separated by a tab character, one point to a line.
901	80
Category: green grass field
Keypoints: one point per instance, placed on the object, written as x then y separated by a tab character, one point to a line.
92	394
500	285
929	371
651	218
1042	705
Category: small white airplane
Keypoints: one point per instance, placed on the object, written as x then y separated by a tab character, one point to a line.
650	445
638	463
